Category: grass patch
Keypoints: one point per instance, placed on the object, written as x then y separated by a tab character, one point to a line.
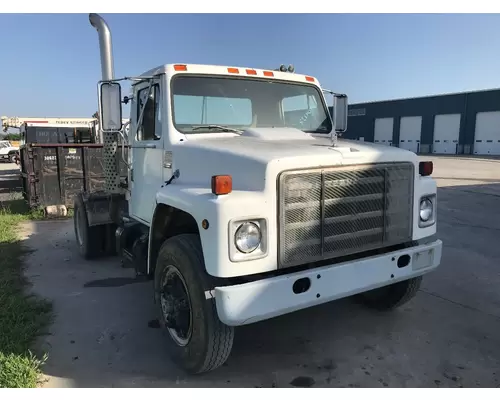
23	316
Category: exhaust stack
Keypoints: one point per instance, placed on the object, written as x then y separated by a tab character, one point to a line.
109	140
105	46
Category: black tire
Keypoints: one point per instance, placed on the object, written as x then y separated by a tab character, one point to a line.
393	296
13	158
211	341
109	232
90	239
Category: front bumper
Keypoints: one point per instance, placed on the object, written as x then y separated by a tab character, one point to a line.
267	298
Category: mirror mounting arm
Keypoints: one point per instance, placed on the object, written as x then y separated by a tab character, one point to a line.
339	112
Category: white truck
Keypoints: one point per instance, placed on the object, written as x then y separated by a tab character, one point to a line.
8	152
241	204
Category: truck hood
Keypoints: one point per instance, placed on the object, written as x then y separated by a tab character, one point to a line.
251	156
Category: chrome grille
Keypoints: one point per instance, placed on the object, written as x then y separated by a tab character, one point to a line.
338	211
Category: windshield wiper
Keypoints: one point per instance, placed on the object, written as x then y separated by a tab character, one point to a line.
321	129
220	127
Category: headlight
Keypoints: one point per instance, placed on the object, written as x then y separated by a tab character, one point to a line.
247	237
426	209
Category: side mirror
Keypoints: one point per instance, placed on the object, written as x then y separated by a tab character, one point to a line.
340	110
110	107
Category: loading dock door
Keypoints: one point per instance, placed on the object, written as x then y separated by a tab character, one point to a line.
446	132
383	131
409	133
487	134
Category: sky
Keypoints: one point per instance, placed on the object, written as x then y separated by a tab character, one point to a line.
50	64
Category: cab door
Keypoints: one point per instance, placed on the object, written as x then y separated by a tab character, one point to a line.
147	150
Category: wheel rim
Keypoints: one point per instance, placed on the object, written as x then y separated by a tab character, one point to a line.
79	235
176	306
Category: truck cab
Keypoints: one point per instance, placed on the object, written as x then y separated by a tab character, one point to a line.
242	204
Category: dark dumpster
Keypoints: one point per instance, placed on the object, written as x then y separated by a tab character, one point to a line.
53	173
51	134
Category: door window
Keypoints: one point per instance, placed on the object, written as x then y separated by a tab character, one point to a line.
150	128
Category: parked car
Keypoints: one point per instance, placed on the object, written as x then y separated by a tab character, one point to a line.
8	152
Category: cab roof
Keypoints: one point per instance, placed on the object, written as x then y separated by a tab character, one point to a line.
172	69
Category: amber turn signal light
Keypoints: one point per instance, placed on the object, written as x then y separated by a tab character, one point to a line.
425	168
222	184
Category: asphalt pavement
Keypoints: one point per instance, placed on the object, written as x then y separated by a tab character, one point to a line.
105	334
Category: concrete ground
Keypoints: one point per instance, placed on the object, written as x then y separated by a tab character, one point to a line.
104	332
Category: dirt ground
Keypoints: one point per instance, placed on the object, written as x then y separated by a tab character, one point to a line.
104	333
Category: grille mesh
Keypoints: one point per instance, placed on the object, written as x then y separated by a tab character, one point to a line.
327	213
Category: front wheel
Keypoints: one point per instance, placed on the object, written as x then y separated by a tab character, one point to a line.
392	296
197	340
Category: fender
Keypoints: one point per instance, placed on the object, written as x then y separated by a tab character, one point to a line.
218	211
196	202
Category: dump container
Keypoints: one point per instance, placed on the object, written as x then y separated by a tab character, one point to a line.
53	173
51	134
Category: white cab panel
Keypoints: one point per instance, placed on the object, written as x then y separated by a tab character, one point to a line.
147	160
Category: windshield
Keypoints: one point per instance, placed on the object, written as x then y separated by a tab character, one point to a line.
4	144
243	103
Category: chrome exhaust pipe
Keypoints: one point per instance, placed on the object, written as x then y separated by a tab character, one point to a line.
105	46
109	140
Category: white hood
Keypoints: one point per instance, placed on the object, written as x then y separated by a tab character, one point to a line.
248	156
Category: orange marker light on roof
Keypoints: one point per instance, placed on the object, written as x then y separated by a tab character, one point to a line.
222	184
233	70
180	67
251	72
268	73
309	79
